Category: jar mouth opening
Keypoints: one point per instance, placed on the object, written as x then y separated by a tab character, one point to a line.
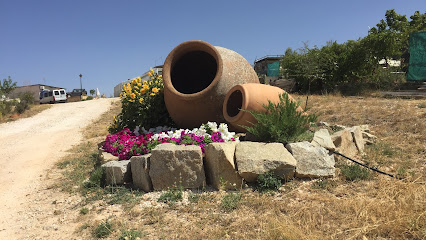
235	103
193	72
192	68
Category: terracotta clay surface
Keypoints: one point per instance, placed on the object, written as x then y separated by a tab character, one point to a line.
250	96
197	76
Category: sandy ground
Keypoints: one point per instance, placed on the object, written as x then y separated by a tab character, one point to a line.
28	149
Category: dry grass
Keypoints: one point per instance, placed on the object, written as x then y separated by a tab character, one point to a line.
378	208
99	129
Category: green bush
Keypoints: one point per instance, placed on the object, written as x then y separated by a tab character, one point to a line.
130	235
84	211
97	179
268	182
103	230
230	201
171	196
26	100
142	105
6	107
281	122
354	172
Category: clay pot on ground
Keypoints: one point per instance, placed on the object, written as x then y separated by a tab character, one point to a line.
197	76
248	97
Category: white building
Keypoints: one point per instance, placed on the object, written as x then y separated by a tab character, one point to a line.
145	77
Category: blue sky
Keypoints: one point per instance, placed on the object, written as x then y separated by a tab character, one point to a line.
53	41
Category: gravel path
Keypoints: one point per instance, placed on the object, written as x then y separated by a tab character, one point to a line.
29	148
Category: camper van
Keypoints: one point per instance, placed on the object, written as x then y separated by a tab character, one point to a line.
53	96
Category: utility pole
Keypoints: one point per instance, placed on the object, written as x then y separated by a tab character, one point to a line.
81	88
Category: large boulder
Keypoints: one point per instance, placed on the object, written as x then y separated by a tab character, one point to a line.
312	161
117	172
140	172
220	166
322	138
344	142
176	165
255	158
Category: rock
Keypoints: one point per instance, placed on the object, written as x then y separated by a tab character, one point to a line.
322	138
107	157
357	136
140	172
369	138
323	124
365	128
312	161
344	143
176	165
255	158
117	172
220	166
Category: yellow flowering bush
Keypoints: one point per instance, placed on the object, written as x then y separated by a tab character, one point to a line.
142	105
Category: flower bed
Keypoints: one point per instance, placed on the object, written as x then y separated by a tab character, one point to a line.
127	143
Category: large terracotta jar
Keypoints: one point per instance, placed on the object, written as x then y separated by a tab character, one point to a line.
197	76
250	97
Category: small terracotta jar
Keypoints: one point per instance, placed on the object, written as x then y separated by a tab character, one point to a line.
252	97
197	76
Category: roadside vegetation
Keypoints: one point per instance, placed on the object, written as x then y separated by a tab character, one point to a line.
12	109
353	68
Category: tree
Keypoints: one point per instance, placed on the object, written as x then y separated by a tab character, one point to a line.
7	86
389	39
92	92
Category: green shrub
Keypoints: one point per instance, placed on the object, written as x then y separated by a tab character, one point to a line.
268	182
230	201
6	107
281	122
131	234
84	211
26	100
324	183
193	198
104	229
354	172
89	98
97	178
142	105
171	196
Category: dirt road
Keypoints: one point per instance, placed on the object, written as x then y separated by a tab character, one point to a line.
28	148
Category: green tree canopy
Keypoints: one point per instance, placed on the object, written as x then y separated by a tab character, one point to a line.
7	86
355	61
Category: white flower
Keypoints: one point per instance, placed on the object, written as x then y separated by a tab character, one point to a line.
212	126
223	128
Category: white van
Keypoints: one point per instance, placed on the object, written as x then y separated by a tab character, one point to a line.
53	96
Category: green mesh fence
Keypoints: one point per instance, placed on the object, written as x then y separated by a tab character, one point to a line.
273	69
417	63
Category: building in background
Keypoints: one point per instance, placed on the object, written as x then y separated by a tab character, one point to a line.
33	89
145	77
268	68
